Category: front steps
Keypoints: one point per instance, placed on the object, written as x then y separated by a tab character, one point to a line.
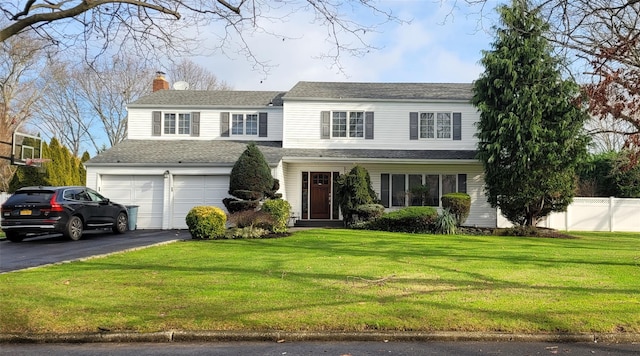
319	223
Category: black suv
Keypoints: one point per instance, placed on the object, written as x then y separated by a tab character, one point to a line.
66	210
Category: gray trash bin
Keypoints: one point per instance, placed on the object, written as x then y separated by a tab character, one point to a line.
133	216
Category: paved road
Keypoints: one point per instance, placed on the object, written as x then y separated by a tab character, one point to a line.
342	348
46	249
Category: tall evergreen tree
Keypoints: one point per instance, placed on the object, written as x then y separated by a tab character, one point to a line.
530	136
250	180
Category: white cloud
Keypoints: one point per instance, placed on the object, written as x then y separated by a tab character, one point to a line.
427	50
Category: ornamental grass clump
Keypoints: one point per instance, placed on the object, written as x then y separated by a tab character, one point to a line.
206	222
458	204
446	223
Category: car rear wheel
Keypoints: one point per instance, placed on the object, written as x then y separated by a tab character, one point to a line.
121	224
74	227
14	236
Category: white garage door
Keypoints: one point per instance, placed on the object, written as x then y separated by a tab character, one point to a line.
147	192
190	191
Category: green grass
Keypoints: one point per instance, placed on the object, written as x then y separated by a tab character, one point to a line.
339	280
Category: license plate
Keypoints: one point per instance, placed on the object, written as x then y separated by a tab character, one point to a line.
25	212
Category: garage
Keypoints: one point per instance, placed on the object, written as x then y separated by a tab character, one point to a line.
145	191
190	191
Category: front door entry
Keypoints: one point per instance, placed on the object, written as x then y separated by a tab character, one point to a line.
320	195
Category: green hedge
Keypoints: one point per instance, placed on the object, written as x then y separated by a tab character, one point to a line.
206	222
415	219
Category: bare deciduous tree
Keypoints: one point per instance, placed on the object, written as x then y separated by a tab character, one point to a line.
106	88
62	110
20	65
84	105
157	26
196	76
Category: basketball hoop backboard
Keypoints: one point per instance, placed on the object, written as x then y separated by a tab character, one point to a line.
26	149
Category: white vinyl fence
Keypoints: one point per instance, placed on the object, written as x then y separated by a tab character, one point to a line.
593	214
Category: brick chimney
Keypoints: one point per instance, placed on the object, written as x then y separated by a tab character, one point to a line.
159	83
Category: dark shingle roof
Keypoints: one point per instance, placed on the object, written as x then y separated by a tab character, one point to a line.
186	152
226	153
381	91
199	98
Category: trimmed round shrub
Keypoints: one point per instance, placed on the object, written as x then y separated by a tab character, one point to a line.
458	204
235	205
280	211
415	219
368	212
206	222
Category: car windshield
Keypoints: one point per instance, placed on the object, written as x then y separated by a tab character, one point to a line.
30	196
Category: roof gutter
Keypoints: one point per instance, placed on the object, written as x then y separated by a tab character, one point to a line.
293	159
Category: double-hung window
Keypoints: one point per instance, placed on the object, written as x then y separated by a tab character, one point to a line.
242	124
237	124
443	125
252	124
435	125
339	124
356	124
184	124
175	123
179	121
348	124
426	125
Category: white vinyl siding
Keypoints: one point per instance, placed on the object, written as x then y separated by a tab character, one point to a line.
139	125
481	213
303	125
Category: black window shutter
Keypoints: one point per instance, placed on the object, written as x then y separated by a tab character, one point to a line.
224	124
325	124
462	183
384	189
413	125
457	126
262	124
368	125
195	124
156	123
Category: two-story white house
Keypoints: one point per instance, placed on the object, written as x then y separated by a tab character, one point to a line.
182	144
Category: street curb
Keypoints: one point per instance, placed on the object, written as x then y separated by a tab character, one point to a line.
276	336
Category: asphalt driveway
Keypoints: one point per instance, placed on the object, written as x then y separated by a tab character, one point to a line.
47	249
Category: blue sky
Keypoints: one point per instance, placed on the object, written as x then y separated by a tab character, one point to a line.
443	43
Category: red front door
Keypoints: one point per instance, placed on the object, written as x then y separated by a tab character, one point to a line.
320	195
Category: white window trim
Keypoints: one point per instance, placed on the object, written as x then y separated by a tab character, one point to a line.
348	125
244	124
435	125
177	123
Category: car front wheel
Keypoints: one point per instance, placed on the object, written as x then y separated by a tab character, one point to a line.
74	227
14	236
121	224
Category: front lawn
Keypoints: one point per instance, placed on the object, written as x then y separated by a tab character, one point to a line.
339	280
